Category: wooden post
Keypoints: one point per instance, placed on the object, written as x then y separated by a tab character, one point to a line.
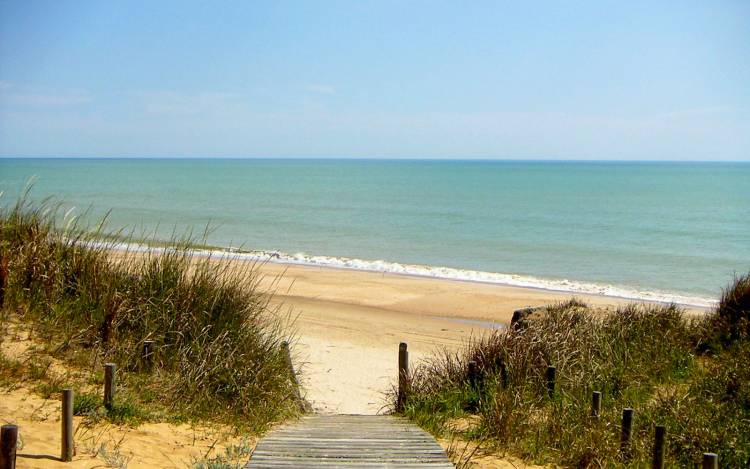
303	406
596	404
502	369
503	374
109	385
551	373
67	425
659	437
288	358
627	431
473	374
147	356
8	441
403	375
710	461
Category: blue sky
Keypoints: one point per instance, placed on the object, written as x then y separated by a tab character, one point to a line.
402	79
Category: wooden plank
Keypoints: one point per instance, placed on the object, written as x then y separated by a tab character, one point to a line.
349	441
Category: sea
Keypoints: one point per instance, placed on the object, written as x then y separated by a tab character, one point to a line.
658	231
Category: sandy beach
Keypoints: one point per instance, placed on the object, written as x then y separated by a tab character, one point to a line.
349	323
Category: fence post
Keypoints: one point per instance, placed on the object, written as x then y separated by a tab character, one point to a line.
503	374
627	431
551	374
8	441
473	374
659	437
109	385
67	425
147	355
596	404
710	461
403	375
303	406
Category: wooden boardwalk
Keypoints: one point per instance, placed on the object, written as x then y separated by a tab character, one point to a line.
363	441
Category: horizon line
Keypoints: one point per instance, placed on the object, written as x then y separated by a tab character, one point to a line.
368	158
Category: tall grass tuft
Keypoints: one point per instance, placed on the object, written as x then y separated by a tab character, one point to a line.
217	340
638	356
732	319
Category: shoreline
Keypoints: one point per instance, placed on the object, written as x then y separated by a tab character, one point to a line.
565	287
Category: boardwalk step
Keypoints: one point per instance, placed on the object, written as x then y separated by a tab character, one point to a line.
349	441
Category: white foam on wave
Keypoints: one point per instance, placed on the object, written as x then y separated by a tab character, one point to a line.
559	285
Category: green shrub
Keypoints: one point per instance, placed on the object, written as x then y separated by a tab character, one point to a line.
85	403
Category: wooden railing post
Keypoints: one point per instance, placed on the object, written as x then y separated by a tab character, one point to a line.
67	425
503	374
710	461
109	385
8	442
403	376
627	431
551	376
596	404
147	355
659	437
303	406
473	374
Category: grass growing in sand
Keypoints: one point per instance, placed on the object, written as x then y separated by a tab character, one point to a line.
217	343
688	374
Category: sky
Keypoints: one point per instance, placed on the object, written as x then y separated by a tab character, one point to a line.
620	80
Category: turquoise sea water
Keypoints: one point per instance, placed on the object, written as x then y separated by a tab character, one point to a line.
649	230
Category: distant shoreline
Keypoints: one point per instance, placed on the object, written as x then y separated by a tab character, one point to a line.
565	287
366	158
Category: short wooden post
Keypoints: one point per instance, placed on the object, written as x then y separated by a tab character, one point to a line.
473	374
303	406
290	366
8	442
596	404
403	375
67	425
710	461
551	374
627	431
109	385
659	437
147	355
503	374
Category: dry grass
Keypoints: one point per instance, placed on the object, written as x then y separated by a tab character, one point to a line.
217	341
643	357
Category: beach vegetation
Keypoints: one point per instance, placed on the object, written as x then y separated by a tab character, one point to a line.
731	320
645	357
216	352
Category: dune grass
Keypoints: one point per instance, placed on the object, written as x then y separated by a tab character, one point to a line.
649	358
217	340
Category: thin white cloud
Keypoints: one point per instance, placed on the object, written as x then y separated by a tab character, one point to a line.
187	104
12	95
693	112
320	88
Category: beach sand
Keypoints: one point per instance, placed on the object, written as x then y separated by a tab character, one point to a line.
349	323
97	444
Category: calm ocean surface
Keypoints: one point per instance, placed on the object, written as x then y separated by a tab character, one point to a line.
646	230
